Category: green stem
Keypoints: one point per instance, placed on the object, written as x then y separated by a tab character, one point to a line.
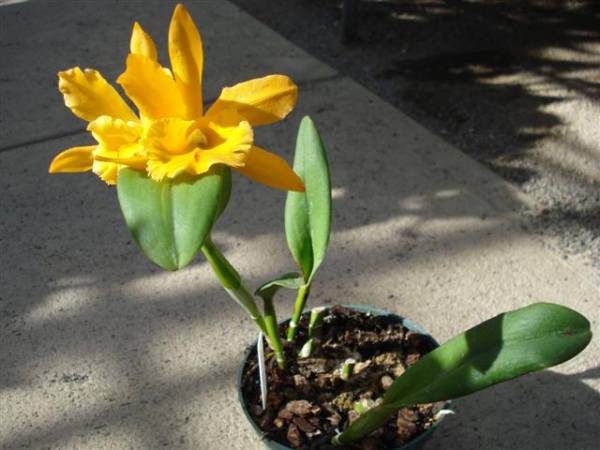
365	424
315	328
315	324
273	331
298	310
232	282
347	369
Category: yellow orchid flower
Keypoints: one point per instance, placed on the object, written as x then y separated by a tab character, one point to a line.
172	135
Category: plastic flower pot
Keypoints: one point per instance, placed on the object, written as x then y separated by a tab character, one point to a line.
413	444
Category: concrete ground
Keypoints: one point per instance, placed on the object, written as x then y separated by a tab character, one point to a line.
102	350
512	83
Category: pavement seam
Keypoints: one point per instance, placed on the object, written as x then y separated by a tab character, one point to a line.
39	140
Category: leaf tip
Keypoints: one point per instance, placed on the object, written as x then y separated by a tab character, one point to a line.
307	120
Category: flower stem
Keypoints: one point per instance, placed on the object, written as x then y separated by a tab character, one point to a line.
232	282
298	310
273	331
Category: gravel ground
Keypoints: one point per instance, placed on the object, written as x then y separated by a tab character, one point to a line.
513	84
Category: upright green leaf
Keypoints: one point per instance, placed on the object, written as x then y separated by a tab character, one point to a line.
170	220
509	345
308	214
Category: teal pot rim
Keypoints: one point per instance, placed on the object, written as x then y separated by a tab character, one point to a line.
414	444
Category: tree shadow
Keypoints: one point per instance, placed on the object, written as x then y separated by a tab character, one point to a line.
444	57
496	79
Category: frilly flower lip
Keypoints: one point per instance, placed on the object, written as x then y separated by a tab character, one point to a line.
171	134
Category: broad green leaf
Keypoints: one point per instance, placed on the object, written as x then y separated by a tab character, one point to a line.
226	190
308	214
170	220
509	345
289	281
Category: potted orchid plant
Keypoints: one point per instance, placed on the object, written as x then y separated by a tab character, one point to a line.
341	376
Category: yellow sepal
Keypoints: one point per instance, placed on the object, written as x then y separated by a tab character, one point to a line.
89	95
74	159
154	93
271	170
187	59
142	44
260	101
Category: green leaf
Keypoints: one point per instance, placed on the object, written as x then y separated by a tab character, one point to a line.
170	220
226	190
290	280
308	214
509	345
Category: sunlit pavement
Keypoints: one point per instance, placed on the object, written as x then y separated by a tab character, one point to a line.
102	350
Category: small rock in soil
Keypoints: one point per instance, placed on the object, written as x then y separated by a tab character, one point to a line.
285	414
407	427
360	366
412	358
387	359
310	366
304	425
344	401
386	382
293	435
300	381
353	415
299	407
406	430
398	370
334	418
324	381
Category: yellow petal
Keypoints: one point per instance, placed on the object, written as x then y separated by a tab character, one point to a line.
175	165
117	146
185	53
260	101
75	159
131	155
89	95
154	93
268	168
107	171
113	133
172	145
142	44
172	136
107	163
232	151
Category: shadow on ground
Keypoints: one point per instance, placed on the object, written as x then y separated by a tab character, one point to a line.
513	84
461	62
525	413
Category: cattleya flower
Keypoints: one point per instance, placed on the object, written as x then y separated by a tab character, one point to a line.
172	135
